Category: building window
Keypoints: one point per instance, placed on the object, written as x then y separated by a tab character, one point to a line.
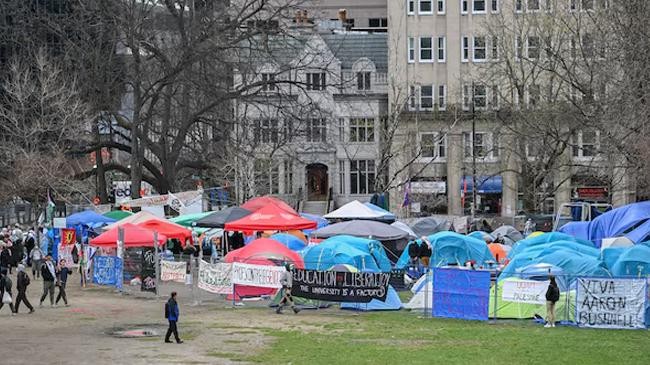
362	176
478	148
432	145
316	81
465	49
478	6
533	5
426	97
519	6
587	144
442	53
495	97
587	5
518	48
362	130
316	130
479	49
266	131
342	177
442	97
466	97
410	9
267	177
441	7
341	129
426	49
532	47
480	96
494	7
426	7
464	6
495	49
495	145
288	177
588	45
378	23
269	82
363	80
411	50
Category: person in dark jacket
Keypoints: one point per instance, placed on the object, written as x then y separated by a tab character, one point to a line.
425	252
552	296
5	258
5	286
172	314
49	275
22	281
62	278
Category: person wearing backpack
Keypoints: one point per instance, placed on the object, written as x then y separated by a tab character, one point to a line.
171	313
22	282
552	296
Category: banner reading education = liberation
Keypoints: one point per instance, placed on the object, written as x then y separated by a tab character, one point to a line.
525	291
337	286
611	303
173	271
215	278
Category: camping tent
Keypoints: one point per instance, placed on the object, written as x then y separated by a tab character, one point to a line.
564	308
118	214
362	253
134	236
451	248
270	218
429	225
135	219
358	210
219	218
404	227
292	242
260	202
320	221
88	218
169	229
544	239
508	232
387	215
634	261
481	235
391	303
571	262
187	220
359	228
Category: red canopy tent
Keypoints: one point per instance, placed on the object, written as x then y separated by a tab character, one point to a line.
169	229
134	236
260	202
270	218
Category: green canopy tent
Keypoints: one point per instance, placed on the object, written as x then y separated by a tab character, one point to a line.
118	214
186	220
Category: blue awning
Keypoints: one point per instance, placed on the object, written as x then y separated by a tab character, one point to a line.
486	184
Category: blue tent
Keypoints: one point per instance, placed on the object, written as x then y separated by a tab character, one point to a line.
320	221
544	239
451	248
388	216
630	220
88	218
541	272
392	302
292	242
579	230
362	253
571	263
610	255
481	235
633	261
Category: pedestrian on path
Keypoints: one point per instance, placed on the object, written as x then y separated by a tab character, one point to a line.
172	314
62	279
287	283
552	296
22	282
5	288
49	275
36	255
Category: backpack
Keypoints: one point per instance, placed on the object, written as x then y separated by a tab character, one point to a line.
553	293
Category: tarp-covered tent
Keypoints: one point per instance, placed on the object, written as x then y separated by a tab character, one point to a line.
544	239
576	229
88	218
451	248
169	229
361	253
358	210
118	214
292	242
219	218
187	220
481	235
360	228
430	225
633	261
392	303
270	218
508	232
134	236
610	255
260	202
136	218
571	262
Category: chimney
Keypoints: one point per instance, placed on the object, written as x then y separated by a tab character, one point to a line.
343	16
305	17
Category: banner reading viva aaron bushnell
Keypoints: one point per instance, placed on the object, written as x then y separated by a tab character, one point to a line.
335	286
610	303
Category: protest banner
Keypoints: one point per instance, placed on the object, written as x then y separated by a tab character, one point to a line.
173	271
461	294
339	286
65	253
257	275
215	278
107	270
148	273
68	236
610	303
525	291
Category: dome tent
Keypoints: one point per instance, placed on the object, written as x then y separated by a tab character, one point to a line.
292	242
633	261
544	239
362	253
452	248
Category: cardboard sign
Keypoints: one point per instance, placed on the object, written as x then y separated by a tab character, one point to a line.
335	286
611	303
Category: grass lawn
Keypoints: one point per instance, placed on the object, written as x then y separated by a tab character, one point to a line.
403	338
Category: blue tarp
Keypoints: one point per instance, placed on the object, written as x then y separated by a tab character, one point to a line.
320	221
543	239
486	184
633	261
292	242
88	218
576	229
463	294
392	302
451	248
362	253
630	220
571	263
387	215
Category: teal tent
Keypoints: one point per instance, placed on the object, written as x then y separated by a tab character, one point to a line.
362	253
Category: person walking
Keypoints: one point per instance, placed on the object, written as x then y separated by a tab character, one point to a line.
5	291
49	275
172	314
5	256
22	282
36	255
62	279
287	283
552	296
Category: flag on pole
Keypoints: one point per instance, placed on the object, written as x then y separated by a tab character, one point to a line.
174	202
407	195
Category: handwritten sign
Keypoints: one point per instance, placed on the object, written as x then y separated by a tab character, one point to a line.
148	273
610	303
334	286
173	271
107	270
461	294
215	278
257	275
524	291
65	253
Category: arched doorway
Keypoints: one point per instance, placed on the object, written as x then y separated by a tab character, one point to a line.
317	181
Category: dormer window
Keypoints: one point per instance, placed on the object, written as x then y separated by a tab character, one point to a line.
363	80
